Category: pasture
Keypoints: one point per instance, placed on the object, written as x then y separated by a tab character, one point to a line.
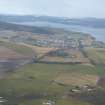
37	82
96	55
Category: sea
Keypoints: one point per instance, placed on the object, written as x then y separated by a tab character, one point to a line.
98	33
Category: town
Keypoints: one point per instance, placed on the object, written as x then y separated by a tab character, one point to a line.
67	41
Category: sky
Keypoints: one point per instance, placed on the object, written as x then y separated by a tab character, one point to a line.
61	8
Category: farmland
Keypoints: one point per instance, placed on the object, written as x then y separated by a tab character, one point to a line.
53	66
13	56
97	55
39	82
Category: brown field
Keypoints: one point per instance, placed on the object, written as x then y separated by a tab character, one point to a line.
6	53
40	51
65	60
74	56
75	52
39	37
53	59
77	79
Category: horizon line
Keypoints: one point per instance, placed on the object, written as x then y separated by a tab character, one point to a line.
37	15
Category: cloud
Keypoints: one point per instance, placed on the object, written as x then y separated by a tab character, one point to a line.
65	8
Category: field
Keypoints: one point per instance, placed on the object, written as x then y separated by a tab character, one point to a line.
20	49
77	79
34	83
50	66
96	55
6	53
13	56
50	74
39	51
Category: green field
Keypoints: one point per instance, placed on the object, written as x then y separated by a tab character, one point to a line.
96	55
17	48
37	81
39	65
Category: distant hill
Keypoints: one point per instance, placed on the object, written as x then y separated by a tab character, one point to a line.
14	27
90	22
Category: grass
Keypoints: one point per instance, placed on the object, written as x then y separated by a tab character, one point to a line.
17	48
32	102
97	55
40	51
33	77
59	102
46	71
77	79
37	79
71	102
21	87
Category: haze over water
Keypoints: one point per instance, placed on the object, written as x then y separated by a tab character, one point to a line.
98	33
59	8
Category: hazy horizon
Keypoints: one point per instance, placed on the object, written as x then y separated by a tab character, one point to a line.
58	8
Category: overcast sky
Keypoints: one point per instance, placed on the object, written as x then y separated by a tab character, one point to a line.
62	8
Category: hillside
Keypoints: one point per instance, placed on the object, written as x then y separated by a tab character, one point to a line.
90	22
14	27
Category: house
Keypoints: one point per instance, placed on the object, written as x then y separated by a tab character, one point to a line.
2	100
85	88
75	90
49	102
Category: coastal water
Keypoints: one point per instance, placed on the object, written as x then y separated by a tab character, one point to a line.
98	33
